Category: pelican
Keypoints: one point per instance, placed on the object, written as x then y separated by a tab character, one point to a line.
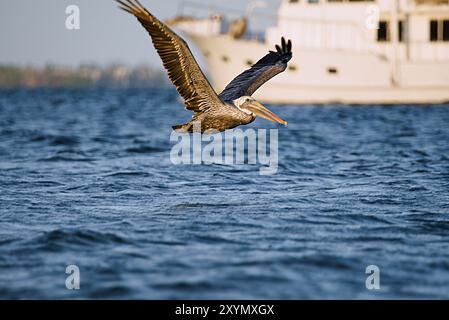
234	106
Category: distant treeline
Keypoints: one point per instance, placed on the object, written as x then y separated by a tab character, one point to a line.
86	76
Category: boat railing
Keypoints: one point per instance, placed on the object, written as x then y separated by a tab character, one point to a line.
431	2
258	20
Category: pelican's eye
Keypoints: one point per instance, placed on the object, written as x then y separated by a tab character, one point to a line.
247	100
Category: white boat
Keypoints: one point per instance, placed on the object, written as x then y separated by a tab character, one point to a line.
345	51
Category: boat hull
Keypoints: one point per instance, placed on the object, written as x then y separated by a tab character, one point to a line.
318	76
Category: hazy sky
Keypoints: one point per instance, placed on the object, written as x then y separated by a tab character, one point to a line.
33	32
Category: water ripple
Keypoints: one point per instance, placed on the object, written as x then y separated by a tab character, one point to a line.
86	179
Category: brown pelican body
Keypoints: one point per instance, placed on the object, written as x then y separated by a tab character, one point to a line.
234	106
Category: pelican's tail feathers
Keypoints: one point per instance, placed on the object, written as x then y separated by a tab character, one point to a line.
183	127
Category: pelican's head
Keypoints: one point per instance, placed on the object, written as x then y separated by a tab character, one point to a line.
251	106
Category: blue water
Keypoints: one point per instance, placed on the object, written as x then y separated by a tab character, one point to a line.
86	179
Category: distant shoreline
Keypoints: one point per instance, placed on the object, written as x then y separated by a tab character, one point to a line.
85	76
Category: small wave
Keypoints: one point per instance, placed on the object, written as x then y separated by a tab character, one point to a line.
191	286
417	188
129	174
206	205
322	261
64	141
63	237
44	183
144	149
56	140
113	291
217	239
59	158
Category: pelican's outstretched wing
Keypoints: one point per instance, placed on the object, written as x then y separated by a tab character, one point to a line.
266	68
183	70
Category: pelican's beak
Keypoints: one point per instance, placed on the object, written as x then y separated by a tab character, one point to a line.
259	110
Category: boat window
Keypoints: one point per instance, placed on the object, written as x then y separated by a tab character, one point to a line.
445	30
294	1
314	1
439	30
383	32
292	68
332	70
401	30
225	58
433	30
249	62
